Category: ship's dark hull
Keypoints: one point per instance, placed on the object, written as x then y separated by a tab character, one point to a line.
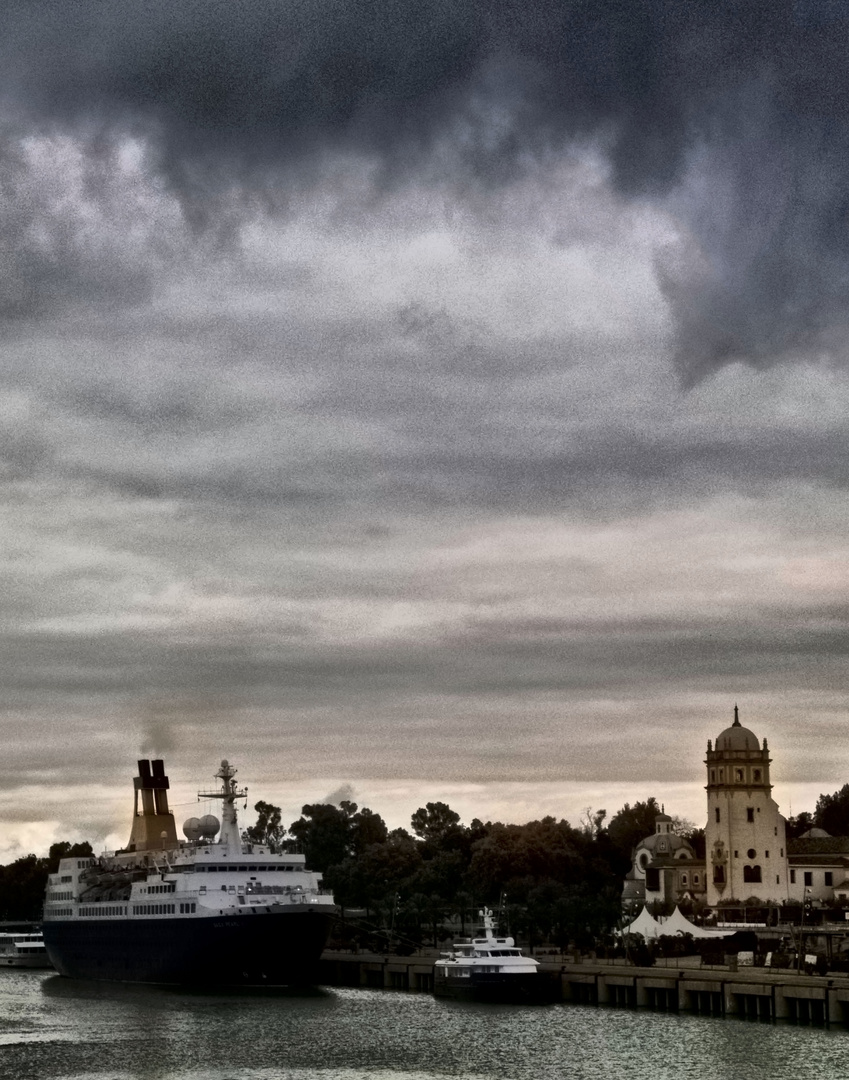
530	988
277	948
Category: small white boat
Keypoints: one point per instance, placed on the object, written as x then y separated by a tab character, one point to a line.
23	950
489	968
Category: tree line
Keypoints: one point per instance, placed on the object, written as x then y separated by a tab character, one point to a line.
551	881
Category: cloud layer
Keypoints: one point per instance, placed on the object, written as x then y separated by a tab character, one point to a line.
736	115
419	400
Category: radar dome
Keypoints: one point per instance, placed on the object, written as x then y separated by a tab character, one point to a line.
209	825
191	828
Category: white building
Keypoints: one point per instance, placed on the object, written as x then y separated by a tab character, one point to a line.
747	854
745	842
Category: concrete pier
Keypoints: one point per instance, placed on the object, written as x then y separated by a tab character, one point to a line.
755	993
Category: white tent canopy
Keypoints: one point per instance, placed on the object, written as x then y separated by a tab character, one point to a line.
676	923
644	924
680	924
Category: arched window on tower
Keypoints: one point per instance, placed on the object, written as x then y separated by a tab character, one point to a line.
719	875
752	874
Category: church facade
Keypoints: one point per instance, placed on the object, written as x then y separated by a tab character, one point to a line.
665	868
747	854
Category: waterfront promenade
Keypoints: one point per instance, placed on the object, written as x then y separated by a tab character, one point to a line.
674	985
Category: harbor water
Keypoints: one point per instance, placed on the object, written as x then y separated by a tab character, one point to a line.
58	1029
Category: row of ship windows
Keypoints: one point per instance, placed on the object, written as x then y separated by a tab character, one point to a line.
102	911
66	879
187	908
209	869
465	973
256	889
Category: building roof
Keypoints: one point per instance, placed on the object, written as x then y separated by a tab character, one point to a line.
667	842
819	845
736	737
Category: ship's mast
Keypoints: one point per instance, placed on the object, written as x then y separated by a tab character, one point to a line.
230	838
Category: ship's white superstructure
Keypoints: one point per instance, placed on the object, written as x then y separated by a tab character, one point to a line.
163	904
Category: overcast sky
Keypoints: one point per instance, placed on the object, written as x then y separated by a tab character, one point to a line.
420	400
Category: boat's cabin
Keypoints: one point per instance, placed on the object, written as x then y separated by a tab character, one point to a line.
497	952
22	944
488	946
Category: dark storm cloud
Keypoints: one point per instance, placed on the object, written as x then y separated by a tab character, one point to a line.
481	654
229	97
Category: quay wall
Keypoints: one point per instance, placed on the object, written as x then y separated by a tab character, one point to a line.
713	991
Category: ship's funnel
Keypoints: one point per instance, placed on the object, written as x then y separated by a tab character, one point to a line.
153	825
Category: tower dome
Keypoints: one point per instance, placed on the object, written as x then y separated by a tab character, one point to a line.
736	737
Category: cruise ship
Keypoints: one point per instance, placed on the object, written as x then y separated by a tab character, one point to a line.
210	910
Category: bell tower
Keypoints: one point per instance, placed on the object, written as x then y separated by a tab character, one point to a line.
746	847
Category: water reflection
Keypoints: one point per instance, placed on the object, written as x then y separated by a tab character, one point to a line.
57	1029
